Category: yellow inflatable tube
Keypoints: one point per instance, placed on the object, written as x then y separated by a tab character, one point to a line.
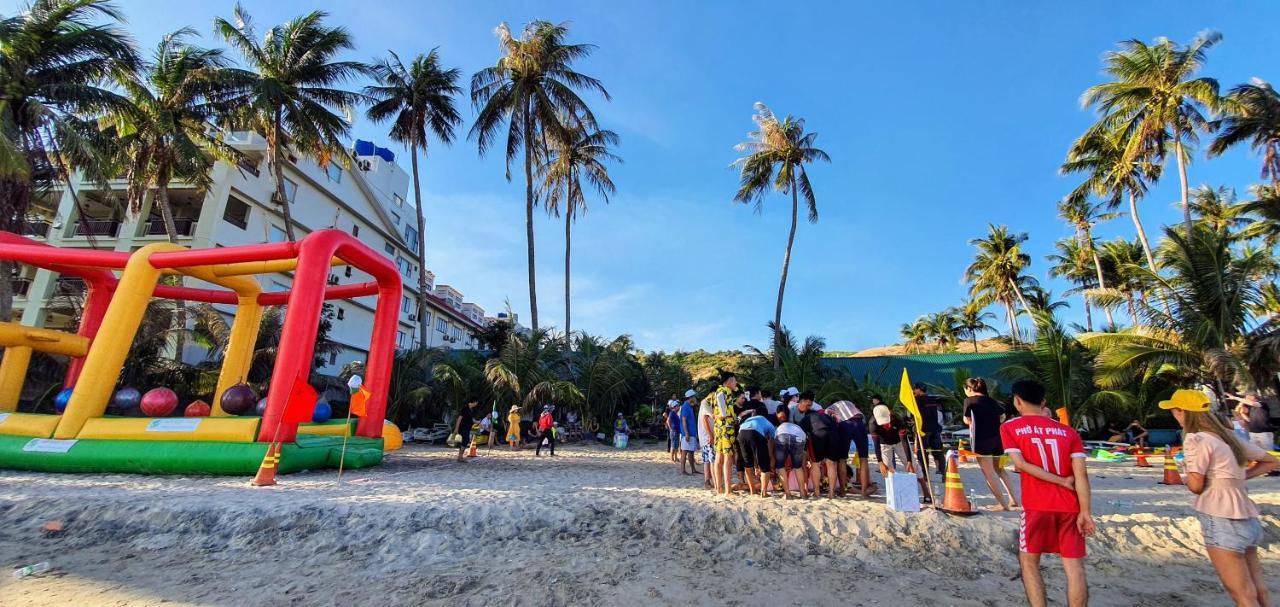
205	429
28	424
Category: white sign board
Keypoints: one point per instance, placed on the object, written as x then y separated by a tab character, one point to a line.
48	445
177	424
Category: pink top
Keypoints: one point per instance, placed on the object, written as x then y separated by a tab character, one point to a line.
1224	493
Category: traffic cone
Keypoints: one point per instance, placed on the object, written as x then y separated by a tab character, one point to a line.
954	500
1142	459
964	451
1171	476
267	471
472	452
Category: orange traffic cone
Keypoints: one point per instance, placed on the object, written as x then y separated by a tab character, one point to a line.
963	447
1142	459
1171	476
954	500
472	452
267	471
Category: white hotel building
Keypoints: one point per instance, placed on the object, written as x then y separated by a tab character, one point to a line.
367	199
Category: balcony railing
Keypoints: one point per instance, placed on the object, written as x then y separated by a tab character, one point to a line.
20	286
70	285
38	229
97	227
248	166
185	227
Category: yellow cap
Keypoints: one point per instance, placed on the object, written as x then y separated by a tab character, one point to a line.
1187	400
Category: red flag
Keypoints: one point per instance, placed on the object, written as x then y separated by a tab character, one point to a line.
360	401
302	402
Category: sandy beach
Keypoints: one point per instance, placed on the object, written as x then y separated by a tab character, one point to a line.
593	526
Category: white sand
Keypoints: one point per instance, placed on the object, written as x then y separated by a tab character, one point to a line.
594	526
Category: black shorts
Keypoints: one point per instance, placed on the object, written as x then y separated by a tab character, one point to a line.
989	446
465	438
827	446
856	430
754	448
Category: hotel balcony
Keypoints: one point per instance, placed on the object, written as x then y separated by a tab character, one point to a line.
102	228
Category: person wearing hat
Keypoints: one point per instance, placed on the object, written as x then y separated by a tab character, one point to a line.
546	428
1217	464
1257	419
688	432
671	420
513	427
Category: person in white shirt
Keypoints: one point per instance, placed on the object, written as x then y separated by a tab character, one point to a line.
705	434
769	403
791	454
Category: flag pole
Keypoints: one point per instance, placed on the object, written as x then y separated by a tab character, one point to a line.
346	432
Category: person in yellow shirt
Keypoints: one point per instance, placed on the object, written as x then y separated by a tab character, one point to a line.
513	427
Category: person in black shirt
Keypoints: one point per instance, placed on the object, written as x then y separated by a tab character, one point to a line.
824	438
984	415
931	428
462	427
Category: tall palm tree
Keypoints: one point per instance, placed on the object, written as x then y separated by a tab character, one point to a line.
584	153
1157	99
996	273
777	153
1083	215
944	327
1071	261
1217	210
1252	113
291	92
532	85
914	334
1265	211
1124	263
418	99
56	58
164	133
972	317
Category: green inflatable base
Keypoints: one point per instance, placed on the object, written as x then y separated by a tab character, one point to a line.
183	457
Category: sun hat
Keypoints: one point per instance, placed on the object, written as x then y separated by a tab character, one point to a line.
1187	400
690	393
882	414
793	391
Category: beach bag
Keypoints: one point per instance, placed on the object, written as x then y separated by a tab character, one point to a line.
454	440
902	492
620	440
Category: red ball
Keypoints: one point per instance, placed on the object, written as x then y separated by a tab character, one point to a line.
159	402
198	408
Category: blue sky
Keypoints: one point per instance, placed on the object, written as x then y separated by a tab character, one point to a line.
939	118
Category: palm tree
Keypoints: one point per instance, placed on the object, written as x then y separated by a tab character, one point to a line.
1253	115
529	89
1265	211
584	153
1124	263
996	273
1083	215
418	99
290	92
944	327
55	58
1071	261
164	133
972	317
914	334
777	154
1217	210
1156	99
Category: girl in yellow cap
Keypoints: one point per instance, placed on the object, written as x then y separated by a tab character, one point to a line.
1216	461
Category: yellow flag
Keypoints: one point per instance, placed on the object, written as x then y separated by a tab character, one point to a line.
908	399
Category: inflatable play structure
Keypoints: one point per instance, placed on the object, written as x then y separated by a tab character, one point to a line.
84	437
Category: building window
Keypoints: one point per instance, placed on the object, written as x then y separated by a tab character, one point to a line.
389	249
441	326
400	336
341	313
404	266
347	271
290	189
355	230
277	234
404	305
334	172
411	236
333	358
236	212
395	218
399	200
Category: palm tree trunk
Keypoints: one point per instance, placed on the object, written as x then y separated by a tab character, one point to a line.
1133	310
1182	180
1097	266
1022	300
166	212
1088	314
973	336
528	216
171	230
1013	326
277	171
568	223
1146	247
424	328
786	267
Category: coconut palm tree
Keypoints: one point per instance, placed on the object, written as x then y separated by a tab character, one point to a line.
1072	262
1156	99
291	91
1217	210
164	133
776	157
972	317
1252	114
530	88
996	273
56	58
418	99
914	334
1123	263
1083	215
944	327
1265	211
583	154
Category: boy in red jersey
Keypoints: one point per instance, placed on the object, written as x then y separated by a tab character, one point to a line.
1056	514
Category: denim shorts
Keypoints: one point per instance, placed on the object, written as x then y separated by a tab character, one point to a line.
1230	534
786	446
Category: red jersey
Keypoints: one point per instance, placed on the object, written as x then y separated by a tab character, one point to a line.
1048	444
